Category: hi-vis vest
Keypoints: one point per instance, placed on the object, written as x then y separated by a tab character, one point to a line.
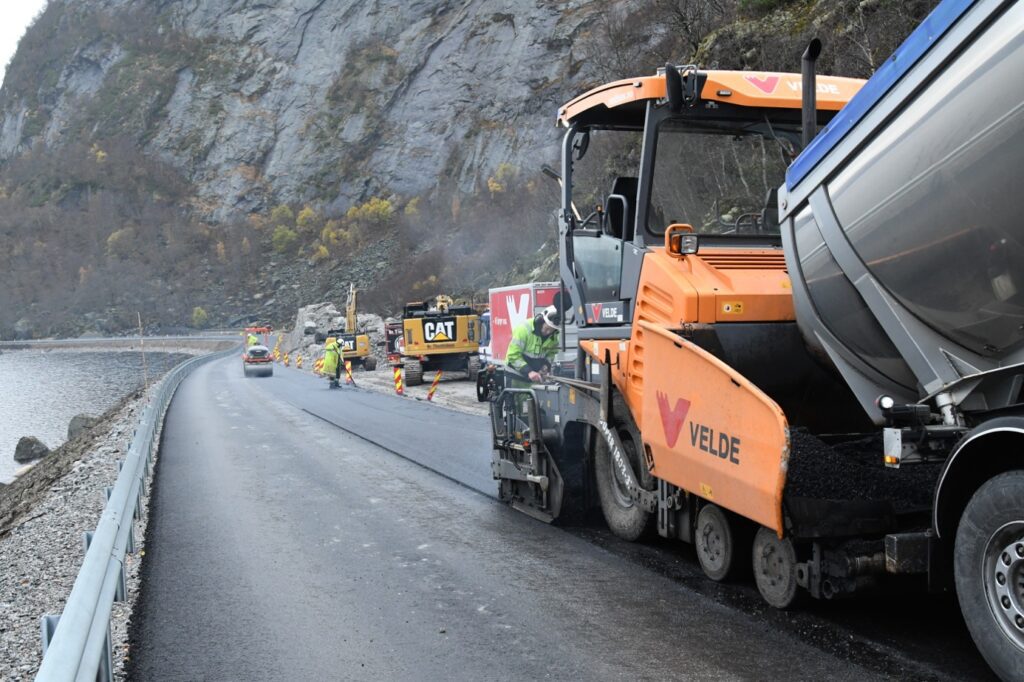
332	357
528	350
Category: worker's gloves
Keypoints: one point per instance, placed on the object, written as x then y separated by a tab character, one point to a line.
536	377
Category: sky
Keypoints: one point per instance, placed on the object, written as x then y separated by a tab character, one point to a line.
15	16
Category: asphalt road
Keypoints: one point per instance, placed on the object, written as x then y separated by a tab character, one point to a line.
302	533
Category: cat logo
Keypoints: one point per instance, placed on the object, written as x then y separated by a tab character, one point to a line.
439	331
347	343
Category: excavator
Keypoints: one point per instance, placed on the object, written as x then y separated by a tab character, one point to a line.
800	352
438	334
355	346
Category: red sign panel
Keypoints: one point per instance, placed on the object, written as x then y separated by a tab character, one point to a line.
510	307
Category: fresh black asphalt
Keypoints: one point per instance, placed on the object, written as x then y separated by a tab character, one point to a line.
301	533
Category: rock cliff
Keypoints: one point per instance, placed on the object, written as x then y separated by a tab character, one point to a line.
214	161
307	100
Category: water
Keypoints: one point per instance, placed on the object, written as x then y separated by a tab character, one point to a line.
41	390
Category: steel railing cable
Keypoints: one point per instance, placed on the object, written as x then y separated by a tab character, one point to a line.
77	644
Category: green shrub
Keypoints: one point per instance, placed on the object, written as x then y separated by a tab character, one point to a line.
284	239
199	318
307	220
282	215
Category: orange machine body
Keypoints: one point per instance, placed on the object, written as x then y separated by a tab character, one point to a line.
709	430
706	428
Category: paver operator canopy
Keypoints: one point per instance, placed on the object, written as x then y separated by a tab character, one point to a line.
737	114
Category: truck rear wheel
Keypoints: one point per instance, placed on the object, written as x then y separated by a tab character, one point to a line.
626	519
988	566
413	372
716	539
775	569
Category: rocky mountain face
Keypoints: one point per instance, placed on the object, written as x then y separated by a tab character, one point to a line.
309	100
246	157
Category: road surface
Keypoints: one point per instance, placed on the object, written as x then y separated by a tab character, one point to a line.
302	533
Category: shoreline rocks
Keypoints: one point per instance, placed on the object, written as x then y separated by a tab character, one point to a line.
29	449
80	423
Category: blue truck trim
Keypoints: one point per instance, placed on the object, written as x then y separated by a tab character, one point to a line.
941	19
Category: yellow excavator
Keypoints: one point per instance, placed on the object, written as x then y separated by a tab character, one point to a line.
438	334
355	346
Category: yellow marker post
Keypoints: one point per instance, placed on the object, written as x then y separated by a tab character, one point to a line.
348	373
298	361
286	360
433	386
399	389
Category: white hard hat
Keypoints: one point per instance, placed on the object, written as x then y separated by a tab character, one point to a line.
552	317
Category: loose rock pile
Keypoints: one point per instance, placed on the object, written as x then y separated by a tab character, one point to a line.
313	321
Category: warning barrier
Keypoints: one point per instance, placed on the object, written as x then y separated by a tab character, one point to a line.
399	389
286	360
298	361
318	366
433	386
348	373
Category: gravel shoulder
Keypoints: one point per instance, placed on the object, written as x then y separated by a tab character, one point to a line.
43	516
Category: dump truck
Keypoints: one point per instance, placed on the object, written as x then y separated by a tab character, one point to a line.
355	347
807	365
439	335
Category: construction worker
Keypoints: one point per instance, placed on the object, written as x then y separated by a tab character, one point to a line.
251	340
534	344
332	360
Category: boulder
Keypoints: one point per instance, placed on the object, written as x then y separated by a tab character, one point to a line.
80	423
30	448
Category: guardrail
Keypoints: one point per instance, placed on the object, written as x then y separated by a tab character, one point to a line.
76	644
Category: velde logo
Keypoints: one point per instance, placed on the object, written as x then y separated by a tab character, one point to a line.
437	331
672	418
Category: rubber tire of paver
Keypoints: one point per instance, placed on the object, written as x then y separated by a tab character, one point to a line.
473	366
369	364
625	518
993	520
774	563
716	539
413	372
